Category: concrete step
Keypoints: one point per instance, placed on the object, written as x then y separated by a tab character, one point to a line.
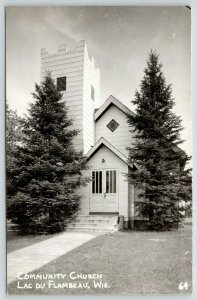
97	217
90	225
87	229
94	223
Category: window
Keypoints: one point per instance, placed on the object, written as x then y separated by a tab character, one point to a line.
96	182
61	84
111	181
112	125
92	92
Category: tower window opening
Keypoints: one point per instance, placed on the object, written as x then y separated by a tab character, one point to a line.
92	92
61	84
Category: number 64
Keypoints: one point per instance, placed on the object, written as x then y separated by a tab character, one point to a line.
183	285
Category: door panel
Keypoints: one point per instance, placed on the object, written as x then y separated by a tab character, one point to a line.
97	184
111	195
104	191
96	193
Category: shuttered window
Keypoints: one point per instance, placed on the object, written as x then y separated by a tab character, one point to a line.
61	84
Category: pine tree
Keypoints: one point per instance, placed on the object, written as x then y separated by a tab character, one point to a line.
13	138
48	169
160	174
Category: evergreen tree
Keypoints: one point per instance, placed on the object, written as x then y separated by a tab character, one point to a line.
13	129
48	168
13	138
160	174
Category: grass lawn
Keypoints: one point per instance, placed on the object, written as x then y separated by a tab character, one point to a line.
131	262
17	241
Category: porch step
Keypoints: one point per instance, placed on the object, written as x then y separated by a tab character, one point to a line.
90	225
87	229
93	223
98	216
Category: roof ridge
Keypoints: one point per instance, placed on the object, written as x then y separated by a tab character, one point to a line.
112	100
103	141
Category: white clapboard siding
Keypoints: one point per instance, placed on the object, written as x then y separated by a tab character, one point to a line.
112	161
80	74
121	137
75	61
73	75
91	78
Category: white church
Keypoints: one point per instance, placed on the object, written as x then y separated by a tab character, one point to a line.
108	202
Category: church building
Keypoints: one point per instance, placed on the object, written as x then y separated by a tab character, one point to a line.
108	202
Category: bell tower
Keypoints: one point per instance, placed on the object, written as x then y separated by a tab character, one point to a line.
79	81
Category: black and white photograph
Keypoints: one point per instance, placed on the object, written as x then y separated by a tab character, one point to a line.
98	150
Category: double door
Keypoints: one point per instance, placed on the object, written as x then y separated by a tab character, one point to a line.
104	191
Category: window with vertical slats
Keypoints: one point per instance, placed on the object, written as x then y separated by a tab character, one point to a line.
96	182
111	181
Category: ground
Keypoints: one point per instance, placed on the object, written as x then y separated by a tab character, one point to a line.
131	262
17	241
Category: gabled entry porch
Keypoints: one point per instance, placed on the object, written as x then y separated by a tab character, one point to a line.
108	191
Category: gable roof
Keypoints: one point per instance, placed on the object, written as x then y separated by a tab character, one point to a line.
111	101
103	142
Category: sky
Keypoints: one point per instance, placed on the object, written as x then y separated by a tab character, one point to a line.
119	39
